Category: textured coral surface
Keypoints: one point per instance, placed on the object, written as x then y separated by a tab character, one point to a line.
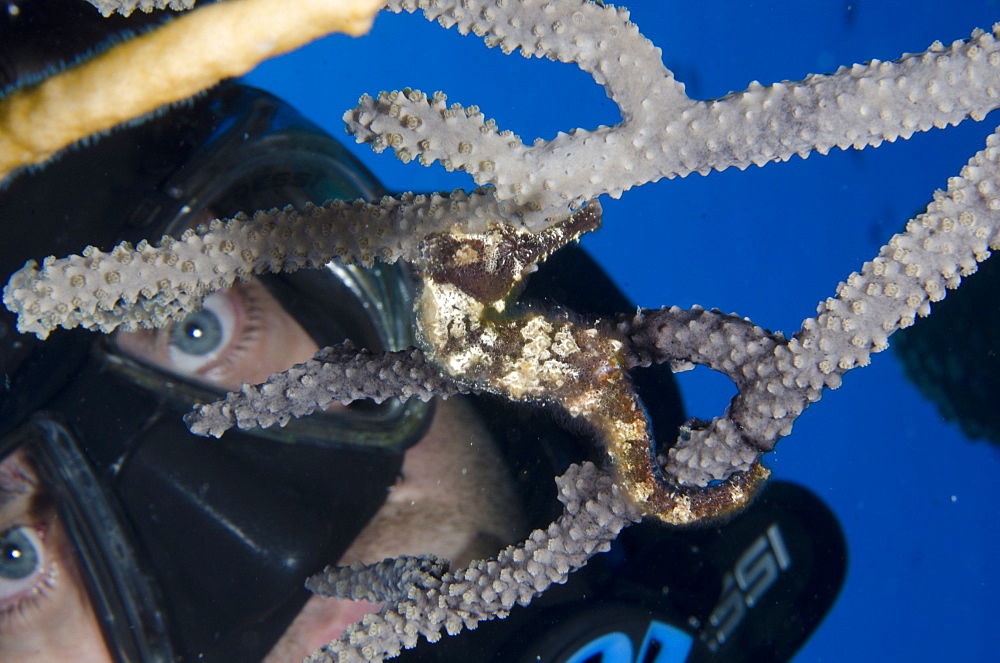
768	246
767	243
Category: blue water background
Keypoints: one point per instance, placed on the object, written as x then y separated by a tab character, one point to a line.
914	496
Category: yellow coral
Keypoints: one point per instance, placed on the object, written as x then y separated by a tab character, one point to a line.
171	63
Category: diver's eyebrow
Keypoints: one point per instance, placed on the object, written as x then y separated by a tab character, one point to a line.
9	492
11	487
6	497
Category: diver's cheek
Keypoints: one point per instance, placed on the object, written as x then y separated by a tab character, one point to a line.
454	500
458	480
320	622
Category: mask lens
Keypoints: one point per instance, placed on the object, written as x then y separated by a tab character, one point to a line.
267	156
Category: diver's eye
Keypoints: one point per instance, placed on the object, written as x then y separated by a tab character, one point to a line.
199	334
18	554
202	336
20	560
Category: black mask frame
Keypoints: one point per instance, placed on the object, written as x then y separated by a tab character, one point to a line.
268	507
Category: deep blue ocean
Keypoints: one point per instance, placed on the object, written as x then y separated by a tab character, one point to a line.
913	494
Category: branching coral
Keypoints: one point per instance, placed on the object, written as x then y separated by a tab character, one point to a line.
472	249
426	599
663	133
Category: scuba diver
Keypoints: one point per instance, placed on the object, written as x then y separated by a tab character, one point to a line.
123	537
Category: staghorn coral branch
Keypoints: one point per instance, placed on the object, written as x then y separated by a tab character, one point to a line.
147	287
777	379
572	362
389	580
209	44
340	373
663	133
595	511
742	351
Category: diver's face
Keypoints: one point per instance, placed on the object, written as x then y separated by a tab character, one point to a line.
45	614
453	499
242	335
